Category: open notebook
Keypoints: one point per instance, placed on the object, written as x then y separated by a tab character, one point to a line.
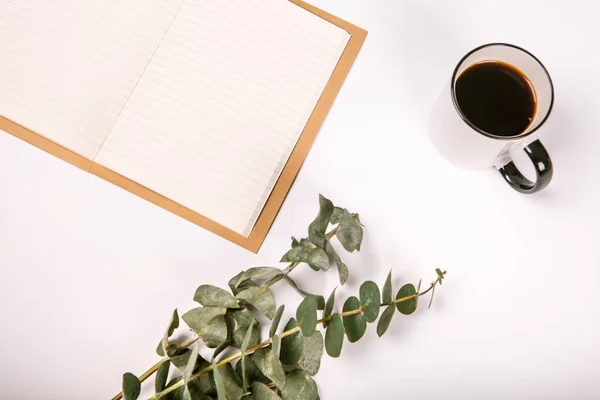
204	107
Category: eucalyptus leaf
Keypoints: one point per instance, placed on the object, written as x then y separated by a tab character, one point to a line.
278	372
189	368
370	300
131	386
239	321
299	386
171	349
260	391
342	268
407	307
276	320
164	344
193	390
336	216
306	315
385	319
181	361
313	351
292	345
258	273
329	307
245	344
386	294
265	362
294	285
334	337
261	298
314	256
231	382
318	227
161	376
354	325
222	395
349	232
215	333
253	374
199	318
212	296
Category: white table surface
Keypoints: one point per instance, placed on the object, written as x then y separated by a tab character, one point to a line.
91	273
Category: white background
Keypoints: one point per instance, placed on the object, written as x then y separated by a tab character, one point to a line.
91	273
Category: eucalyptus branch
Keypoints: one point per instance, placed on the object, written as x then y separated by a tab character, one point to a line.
226	319
282	335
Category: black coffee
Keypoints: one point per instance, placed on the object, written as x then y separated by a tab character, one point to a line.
496	97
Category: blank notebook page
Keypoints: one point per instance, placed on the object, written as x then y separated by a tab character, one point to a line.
222	103
67	67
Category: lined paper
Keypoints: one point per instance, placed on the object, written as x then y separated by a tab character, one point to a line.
222	103
67	67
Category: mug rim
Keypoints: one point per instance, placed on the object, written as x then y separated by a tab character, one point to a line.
481	131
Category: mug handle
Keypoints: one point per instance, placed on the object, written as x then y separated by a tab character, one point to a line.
543	169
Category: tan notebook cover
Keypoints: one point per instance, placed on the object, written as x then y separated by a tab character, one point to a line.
285	180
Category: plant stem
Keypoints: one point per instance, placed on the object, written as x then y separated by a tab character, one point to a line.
281	336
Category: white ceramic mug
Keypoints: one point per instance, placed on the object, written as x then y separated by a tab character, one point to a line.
465	145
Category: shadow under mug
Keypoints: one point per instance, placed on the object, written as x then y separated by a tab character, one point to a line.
465	145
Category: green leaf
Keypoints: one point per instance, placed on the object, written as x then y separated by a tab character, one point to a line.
199	318
334	337
261	298
299	386
354	325
385	319
306	315
215	333
407	307
292	345
313	351
387	289
336	216
259	273
260	391
314	256
131	386
253	374
239	321
349	232
265	362
164	344
276	320
245	344
171	349
231	382
370	300
342	268
195	389
278	372
318	227
329	307
189	368
294	285
180	361
222	395
161	376
212	296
